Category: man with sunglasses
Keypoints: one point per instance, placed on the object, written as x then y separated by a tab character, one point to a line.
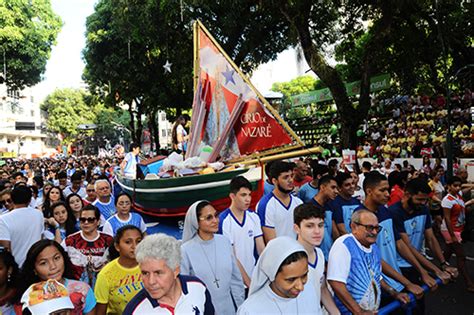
88	246
355	268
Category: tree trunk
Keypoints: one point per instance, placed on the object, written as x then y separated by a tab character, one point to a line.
132	121
139	128
155	131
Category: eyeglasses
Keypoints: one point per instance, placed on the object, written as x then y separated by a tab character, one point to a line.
369	228
90	190
210	217
85	220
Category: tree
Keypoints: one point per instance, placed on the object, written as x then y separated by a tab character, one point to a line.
67	109
28	30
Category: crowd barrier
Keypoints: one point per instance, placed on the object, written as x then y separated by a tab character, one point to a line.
387	309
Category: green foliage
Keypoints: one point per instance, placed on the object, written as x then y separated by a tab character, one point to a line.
296	86
66	110
28	30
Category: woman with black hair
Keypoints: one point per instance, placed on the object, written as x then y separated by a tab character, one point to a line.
61	224
179	136
8	282
45	260
55	194
120	280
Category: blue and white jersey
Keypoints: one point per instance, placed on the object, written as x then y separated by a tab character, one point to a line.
316	274
343	209
267	188
195	299
114	223
387	243
326	242
360	268
307	192
414	225
274	214
106	209
242	236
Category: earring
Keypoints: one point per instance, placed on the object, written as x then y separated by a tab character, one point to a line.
9	277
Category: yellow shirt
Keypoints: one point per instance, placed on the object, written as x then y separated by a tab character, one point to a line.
117	285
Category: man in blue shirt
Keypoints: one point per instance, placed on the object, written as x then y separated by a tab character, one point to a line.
309	190
327	192
413	221
377	193
344	204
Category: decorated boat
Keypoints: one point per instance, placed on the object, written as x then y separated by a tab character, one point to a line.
231	117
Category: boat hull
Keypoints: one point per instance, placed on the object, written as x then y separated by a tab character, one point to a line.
173	196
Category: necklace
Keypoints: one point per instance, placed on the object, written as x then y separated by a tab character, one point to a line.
216	280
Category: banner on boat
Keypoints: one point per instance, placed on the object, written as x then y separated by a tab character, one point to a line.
231	115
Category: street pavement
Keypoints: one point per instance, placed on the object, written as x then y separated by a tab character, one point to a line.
453	298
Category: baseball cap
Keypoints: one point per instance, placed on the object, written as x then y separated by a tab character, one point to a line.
46	297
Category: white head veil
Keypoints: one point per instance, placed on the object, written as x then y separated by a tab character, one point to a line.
269	262
191	224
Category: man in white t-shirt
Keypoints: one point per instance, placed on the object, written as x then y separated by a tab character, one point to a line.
276	209
21	227
309	226
242	227
355	268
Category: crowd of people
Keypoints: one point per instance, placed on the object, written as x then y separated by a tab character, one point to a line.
331	240
408	126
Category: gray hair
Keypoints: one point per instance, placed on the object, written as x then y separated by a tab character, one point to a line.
100	181
159	246
355	218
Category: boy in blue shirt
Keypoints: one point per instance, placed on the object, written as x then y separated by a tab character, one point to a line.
344	204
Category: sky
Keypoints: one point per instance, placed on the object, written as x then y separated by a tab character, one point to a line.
65	66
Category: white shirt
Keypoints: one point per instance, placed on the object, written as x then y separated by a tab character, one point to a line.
81	192
242	236
180	130
22	227
273	214
268	302
194	299
316	274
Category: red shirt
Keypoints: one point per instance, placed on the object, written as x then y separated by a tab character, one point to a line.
395	195
457	215
305	180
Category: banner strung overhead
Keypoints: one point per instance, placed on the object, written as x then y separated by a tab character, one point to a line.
377	83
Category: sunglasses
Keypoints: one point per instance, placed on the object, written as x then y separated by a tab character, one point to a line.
369	228
4	202
210	217
90	220
90	190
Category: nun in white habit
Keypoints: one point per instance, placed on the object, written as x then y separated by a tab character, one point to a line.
278	281
210	257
